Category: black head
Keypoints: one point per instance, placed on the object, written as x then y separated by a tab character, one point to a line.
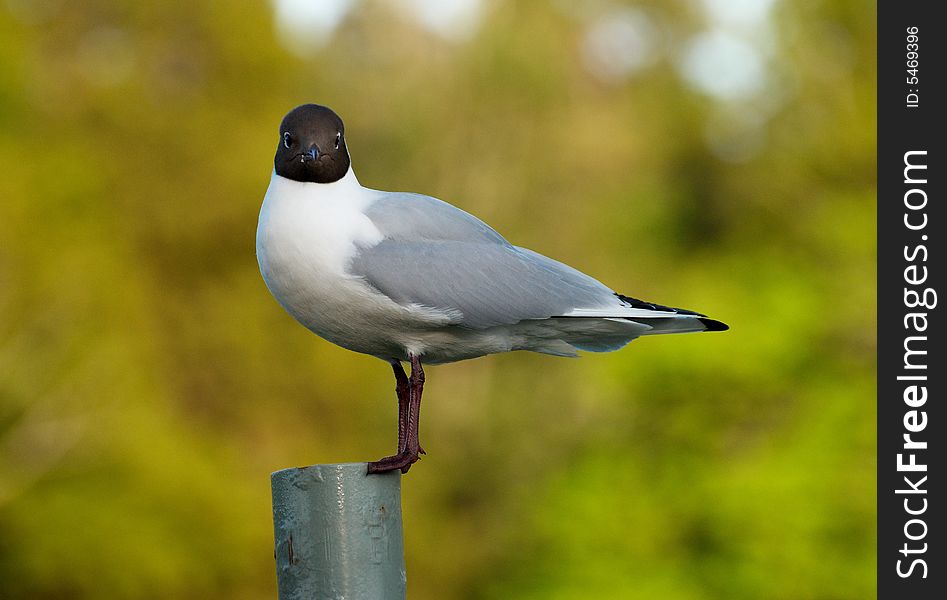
312	145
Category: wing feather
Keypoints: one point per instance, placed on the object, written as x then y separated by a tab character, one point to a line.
489	284
435	255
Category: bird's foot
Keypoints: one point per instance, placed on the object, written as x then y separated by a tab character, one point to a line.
401	461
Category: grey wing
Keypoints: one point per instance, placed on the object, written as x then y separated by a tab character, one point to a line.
405	216
488	283
438	256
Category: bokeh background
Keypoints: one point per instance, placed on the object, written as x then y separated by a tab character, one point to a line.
711	154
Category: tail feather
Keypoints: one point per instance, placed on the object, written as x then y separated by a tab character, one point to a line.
681	320
605	329
682	324
562	336
600	335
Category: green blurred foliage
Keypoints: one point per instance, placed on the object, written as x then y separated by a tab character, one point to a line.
149	384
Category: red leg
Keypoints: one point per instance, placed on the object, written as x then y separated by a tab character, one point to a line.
413	445
408	434
402	388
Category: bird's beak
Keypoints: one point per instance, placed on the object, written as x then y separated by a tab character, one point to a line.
311	154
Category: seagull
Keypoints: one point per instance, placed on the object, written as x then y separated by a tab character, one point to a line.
409	278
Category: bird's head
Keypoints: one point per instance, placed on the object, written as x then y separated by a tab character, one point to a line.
312	145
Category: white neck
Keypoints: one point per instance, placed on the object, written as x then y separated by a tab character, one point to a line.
348	182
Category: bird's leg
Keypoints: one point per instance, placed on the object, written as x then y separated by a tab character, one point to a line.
412	445
408	446
402	387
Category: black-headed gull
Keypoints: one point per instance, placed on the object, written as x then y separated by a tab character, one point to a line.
407	277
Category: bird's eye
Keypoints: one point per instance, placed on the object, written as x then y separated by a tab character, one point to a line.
287	139
338	140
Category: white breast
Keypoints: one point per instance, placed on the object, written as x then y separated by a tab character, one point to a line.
306	236
323	221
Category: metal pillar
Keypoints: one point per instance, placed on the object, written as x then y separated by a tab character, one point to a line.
338	533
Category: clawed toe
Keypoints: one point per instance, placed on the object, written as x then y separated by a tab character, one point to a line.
401	461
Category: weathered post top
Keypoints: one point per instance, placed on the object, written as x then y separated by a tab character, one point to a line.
338	533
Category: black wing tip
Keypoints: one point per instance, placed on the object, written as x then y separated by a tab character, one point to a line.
713	325
637	303
710	324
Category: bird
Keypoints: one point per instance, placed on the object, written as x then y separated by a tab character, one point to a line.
409	278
